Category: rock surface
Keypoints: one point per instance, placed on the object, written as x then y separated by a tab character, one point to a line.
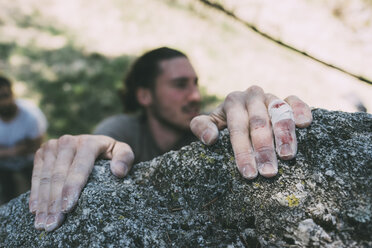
195	197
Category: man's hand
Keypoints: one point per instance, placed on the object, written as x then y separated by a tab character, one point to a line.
252	117
61	170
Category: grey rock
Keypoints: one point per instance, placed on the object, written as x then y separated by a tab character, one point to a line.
195	197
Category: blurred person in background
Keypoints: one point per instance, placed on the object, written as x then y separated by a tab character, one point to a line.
161	91
22	127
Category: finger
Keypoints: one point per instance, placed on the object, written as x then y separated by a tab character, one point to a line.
66	153
206	127
122	158
283	124
301	111
44	184
35	181
261	133
237	123
79	171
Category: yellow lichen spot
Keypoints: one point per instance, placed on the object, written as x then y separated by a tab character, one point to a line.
272	236
261	206
303	182
121	217
281	171
42	235
281	183
211	160
293	201
257	185
232	159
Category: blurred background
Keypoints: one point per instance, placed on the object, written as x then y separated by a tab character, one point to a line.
70	56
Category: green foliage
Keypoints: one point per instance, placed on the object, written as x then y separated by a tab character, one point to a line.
75	89
80	90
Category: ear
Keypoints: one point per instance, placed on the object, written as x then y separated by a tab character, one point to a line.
144	96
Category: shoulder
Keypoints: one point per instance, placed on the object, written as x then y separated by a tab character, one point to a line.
30	113
118	126
119	120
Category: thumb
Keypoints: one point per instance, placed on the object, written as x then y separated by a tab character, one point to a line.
122	159
206	127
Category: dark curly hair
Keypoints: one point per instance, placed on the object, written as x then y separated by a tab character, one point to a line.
143	73
5	82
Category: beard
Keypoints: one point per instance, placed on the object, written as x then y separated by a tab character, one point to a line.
157	113
8	112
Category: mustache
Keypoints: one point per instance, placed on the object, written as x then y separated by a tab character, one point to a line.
192	106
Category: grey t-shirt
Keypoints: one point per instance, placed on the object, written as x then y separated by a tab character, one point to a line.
134	130
29	123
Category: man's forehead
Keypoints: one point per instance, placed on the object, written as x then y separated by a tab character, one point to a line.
177	67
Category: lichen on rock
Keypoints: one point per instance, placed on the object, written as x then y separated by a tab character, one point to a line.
195	197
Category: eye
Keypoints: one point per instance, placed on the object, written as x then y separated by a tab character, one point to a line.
180	83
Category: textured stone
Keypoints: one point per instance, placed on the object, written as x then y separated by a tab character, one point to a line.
195	197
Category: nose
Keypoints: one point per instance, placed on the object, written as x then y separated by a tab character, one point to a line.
195	93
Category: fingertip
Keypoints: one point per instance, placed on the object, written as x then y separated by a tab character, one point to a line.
303	120
119	168
287	151
209	135
69	200
32	206
268	170
246	166
54	221
40	219
248	172
301	111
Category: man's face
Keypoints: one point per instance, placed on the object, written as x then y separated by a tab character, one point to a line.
176	98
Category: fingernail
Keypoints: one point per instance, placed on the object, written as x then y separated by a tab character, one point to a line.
33	206
66	205
209	135
286	151
206	136
40	221
53	221
268	170
301	120
119	168
249	172
69	202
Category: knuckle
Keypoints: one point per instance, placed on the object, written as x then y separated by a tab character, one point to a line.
291	98
235	131
58	177
51	206
233	96
265	149
265	154
44	180
254	89
39	153
243	154
35	177
85	141
50	144
65	140
256	122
